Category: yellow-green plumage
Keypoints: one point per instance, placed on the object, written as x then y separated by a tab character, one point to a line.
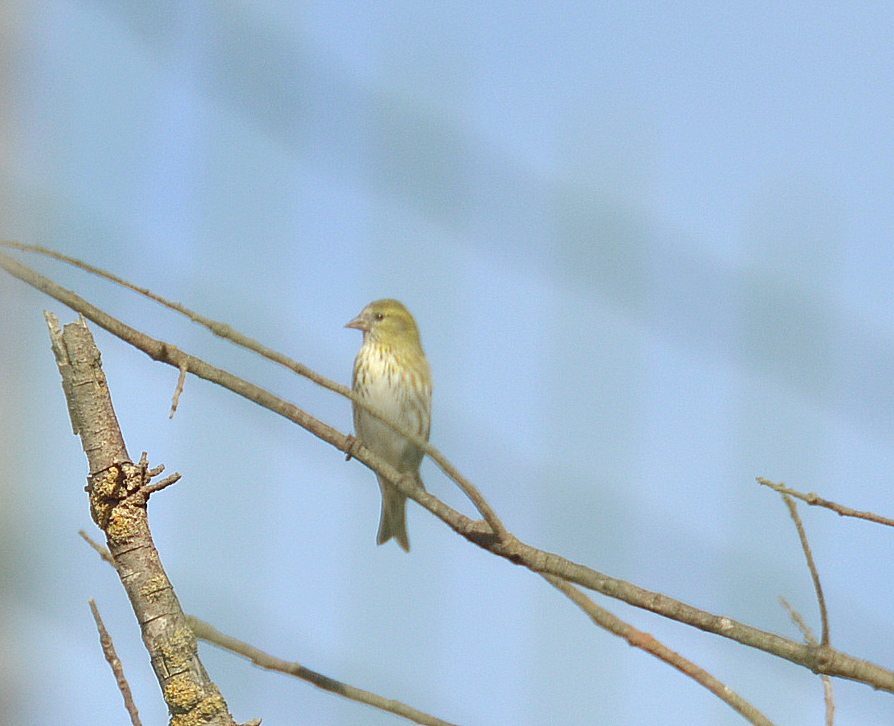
391	374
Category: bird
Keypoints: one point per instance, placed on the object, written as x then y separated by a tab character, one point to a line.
392	376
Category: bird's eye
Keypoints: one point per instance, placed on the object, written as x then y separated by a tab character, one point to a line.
379	316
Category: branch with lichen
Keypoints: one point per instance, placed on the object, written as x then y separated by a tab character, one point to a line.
488	534
119	491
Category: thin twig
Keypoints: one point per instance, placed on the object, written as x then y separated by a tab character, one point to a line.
810	637
209	633
108	649
817	501
101	551
828	700
637	638
164	483
811	565
206	632
800	622
181	381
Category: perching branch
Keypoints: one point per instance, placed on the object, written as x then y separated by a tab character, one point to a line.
118	495
243	341
818	659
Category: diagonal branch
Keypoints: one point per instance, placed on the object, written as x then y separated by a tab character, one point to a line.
818	659
638	639
117	490
206	632
817	501
229	333
108	650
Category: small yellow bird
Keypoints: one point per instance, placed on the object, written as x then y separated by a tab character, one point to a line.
391	375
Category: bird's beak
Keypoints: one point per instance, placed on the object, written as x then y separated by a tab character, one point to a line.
358	323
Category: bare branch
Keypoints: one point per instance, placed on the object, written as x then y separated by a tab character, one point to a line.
225	331
163	484
817	501
206	632
811	565
87	393
100	550
644	641
175	401
819	660
828	695
118	497
800	622
108	649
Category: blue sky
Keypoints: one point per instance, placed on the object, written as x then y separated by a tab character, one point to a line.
649	250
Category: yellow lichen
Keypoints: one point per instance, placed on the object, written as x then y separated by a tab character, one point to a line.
210	708
153	588
182	694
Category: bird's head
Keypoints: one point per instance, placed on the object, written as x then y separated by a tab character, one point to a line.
387	321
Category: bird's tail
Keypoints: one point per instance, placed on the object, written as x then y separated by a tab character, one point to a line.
393	522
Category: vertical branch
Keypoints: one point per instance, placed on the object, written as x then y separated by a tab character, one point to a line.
811	565
828	695
87	395
118	491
